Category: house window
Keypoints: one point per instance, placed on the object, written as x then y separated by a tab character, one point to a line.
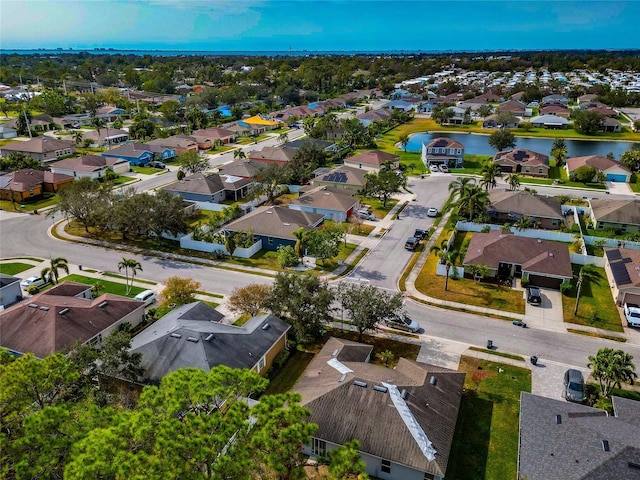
386	466
459	151
527	169
554	222
261	364
270	240
428	476
540	170
318	447
31	192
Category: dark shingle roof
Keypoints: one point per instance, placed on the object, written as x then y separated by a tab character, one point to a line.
277	222
7	280
616	211
524	203
197	183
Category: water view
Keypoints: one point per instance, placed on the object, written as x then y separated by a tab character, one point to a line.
479	144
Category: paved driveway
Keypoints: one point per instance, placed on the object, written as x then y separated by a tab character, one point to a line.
549	314
547	378
618	188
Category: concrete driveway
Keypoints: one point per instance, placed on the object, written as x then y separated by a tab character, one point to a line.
618	188
547	378
548	315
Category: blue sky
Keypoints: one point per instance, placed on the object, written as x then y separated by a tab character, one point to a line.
373	25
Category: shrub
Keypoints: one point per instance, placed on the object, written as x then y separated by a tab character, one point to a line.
566	288
524	282
485	229
287	256
32	290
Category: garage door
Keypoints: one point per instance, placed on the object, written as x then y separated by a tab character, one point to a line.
546	282
612	177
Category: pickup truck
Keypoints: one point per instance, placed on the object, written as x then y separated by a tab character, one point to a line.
632	312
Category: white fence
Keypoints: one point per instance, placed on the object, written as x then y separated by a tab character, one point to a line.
442	271
201	246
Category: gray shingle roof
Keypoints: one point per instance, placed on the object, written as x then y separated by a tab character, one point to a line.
573	449
524	203
326	198
616	211
197	183
277	222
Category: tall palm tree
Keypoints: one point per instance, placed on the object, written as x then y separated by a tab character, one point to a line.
523	223
57	263
446	257
513	179
301	240
283	137
490	173
611	368
129	265
588	273
460	186
238	154
404	141
77	137
473	202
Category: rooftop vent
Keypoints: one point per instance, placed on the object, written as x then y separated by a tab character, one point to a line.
63	311
558	419
33	305
433	380
605	446
286	224
344	375
334	353
210	337
193	339
176	335
539	241
269	212
44	308
404	394
103	304
634	466
378	388
358	383
266	326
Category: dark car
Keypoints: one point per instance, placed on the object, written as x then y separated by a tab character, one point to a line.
156	164
574	390
420	234
411	243
533	296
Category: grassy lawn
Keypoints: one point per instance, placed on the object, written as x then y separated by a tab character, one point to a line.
250	140
472	164
220	149
14	268
146	170
29	205
466	291
379	210
499	354
485	445
109	287
362	230
634	183
292	370
116	275
121	180
596	308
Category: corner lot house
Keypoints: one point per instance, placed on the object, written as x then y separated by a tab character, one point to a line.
542	262
614	170
372	160
44	149
443	151
506	206
622	266
623	215
212	188
334	203
92	166
192	336
27	184
569	441
404	418
526	162
53	321
277	155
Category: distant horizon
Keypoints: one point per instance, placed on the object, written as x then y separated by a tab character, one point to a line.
375	26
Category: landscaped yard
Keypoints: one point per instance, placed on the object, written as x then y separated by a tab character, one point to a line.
376	206
121	180
29	205
109	287
485	445
147	170
466	291
220	149
14	268
596	307
250	140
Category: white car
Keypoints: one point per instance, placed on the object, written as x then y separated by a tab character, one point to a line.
434	168
432	212
632	313
444	168
403	323
34	282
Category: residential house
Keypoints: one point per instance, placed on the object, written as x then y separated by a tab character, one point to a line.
614	170
44	149
92	166
610	125
181	144
242	168
244	129
202	143
404	418
486	98
367	118
526	162
552	122
507	206
137	154
110	113
543	263
620	215
274	226
516	107
28	184
199	187
268	155
443	151
63	316
491	122
328	147
335	204
587	98
555	98
373	160
257	121
159	152
212	134
400	105
10	291
554	109
7	133
155	99
622	266
38	123
559	439
110	136
348	178
192	335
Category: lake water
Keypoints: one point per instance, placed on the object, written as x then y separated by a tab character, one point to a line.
479	144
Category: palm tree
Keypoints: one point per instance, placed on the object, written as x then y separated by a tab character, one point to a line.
301	238
460	186
77	137
129	264
559	151
588	273
283	137
522	223
57	263
404	141
239	154
513	179
230	243
96	288
473	202
446	257
611	368
490	173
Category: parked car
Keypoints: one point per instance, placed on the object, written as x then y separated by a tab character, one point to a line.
366	214
147	296
420	234
411	243
434	168
34	281
533	296
156	164
444	168
632	314
574	390
403	322
432	212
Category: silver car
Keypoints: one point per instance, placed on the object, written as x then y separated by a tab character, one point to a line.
574	388
403	322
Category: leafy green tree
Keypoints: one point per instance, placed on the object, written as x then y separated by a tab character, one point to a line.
179	291
52	271
386	356
442	113
478	272
192	162
505	119
523	223
587	274
301	236
631	159
384	184
611	368
587	122
52	103
197	119
172	111
238	154
473	202
129	265
250	299
167	214
502	139
324	244
287	256
85	200
345	462
366	305
283	138
23	122
303	301
585	173
18	161
142	129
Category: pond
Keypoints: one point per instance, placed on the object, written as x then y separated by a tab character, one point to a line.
479	144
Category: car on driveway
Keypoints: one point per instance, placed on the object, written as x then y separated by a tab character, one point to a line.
156	164
34	281
434	168
403	322
533	296
444	168
432	212
420	234
574	390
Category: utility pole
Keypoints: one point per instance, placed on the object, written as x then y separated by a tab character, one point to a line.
26	119
64	86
